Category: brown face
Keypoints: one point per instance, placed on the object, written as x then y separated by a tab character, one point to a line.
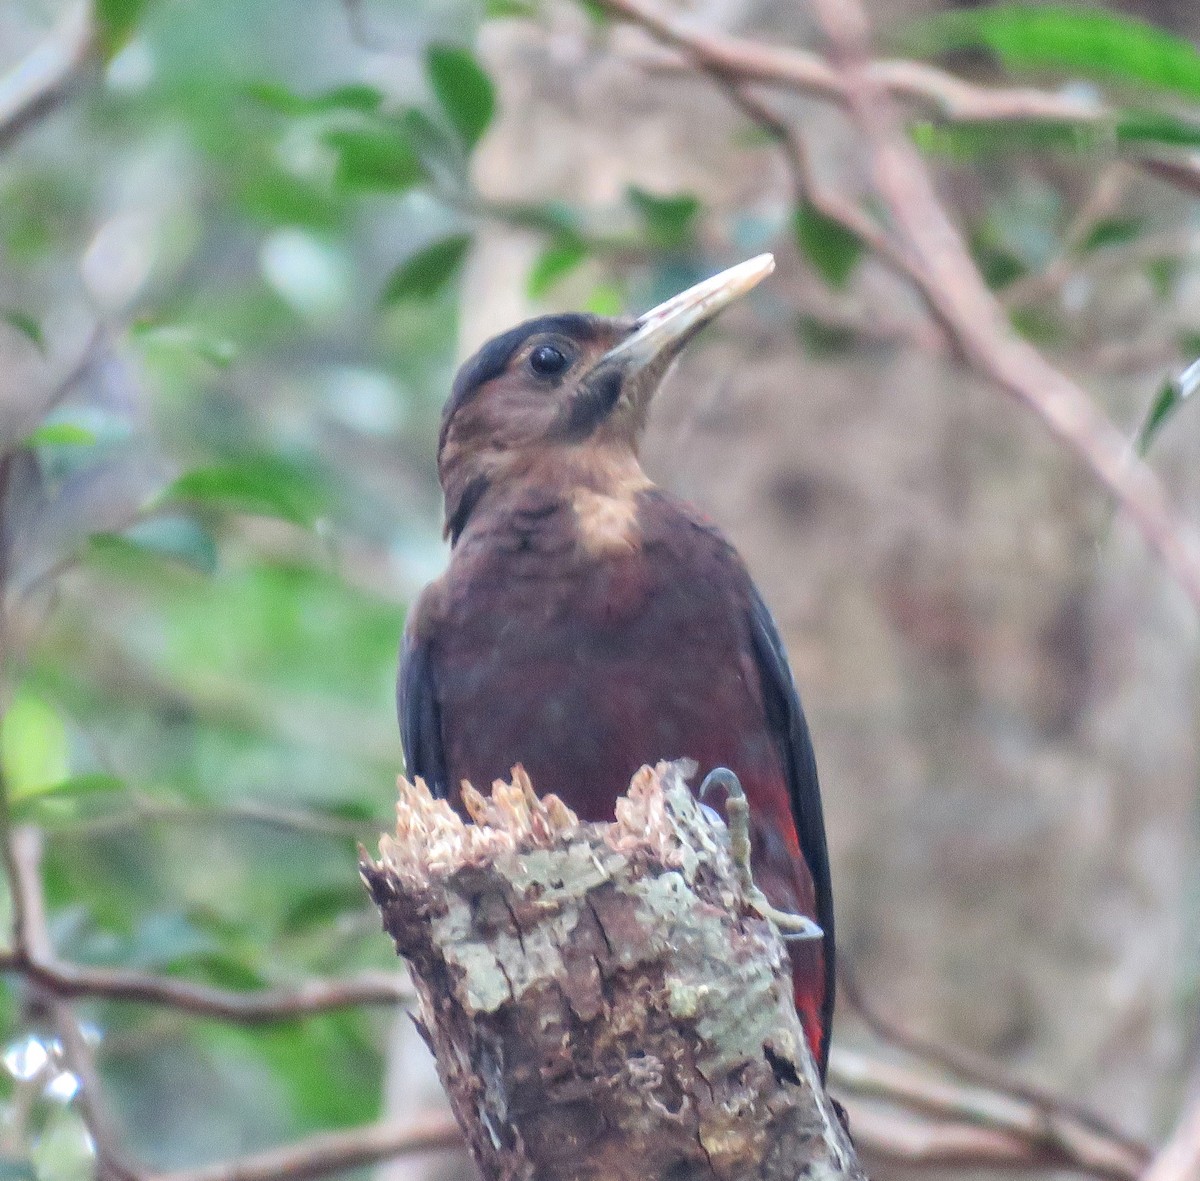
536	385
562	382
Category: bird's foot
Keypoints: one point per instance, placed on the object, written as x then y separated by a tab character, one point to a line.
792	927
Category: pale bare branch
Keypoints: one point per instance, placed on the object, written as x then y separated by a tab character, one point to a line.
1180	1159
940	267
74	982
46	76
332	1152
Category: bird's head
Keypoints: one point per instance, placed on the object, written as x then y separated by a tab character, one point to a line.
565	386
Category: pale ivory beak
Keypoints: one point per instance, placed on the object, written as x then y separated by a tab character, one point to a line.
658	336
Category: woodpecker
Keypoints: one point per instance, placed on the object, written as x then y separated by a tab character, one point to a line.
589	623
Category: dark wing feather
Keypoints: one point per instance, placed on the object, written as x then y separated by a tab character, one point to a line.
786	719
420	719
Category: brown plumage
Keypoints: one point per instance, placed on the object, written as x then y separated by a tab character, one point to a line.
589	624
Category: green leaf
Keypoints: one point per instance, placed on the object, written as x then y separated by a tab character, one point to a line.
1083	41
17	1169
557	261
1170	397
827	244
985	137
218	351
499	9
33	747
424	274
596	13
176	539
224	970
463	90
33	806
26	325
354	97
438	148
60	434
116	22
378	157
1163	274
282	199
266	487
1151	127
1040	325
669	221
998	265
1165	403
322	907
1112	231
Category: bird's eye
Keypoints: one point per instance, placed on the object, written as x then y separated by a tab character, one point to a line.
546	360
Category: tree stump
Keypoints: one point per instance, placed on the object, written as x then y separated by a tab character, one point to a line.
601	1000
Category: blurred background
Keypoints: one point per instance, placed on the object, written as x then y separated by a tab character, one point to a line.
242	246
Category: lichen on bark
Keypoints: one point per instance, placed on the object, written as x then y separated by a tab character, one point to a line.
601	1000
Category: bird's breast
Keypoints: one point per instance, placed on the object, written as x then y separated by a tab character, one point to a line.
585	663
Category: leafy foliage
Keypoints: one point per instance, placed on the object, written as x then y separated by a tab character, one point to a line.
233	503
669	221
25	324
117	20
1093	43
558	260
1168	401
376	156
426	273
464	91
828	245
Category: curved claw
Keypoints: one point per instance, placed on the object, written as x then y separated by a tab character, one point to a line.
792	927
721	777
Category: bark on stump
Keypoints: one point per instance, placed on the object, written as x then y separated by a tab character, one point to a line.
601	1000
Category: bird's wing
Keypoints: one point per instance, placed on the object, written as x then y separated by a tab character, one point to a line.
786	720
420	719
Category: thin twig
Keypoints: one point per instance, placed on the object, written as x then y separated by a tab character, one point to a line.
895	1139
1180	1159
941	269
23	848
1049	1136
952	284
46	76
331	1152
143	812
807	189
978	1071
75	982
313	1157
916	83
800	70
1104	197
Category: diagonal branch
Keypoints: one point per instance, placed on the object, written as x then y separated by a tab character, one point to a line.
800	70
897	1139
331	1152
1180	1159
919	84
980	1072
939	265
22	851
313	1157
46	76
1041	1136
